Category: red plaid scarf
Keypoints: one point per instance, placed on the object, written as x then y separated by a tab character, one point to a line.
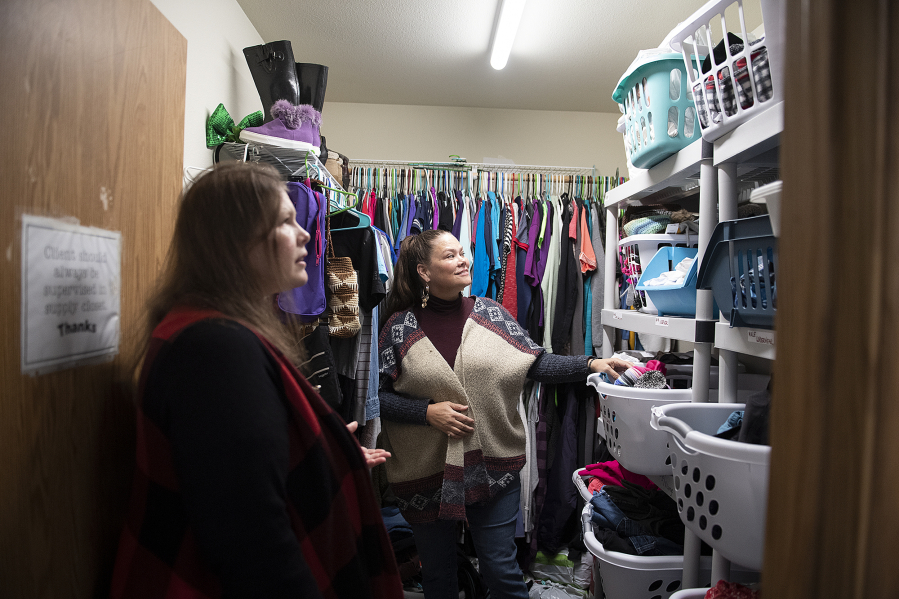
344	544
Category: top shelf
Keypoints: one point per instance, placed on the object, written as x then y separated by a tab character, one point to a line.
754	145
287	161
664	180
753	141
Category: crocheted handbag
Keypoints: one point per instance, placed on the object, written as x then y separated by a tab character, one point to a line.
343	300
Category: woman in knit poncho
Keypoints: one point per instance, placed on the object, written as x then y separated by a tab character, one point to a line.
452	371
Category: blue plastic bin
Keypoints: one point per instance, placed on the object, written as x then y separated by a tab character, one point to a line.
671	300
739	267
661	115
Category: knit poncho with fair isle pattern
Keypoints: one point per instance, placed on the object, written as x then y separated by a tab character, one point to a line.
432	475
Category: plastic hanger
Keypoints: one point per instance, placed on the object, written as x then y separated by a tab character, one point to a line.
348	194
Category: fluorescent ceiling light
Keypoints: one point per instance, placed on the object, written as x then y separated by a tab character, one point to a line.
509	18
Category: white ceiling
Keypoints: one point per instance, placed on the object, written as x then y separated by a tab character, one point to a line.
568	54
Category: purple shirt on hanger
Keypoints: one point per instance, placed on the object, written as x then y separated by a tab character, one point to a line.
436	211
544	251
533	256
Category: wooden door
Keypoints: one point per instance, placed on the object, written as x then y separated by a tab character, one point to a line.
832	520
93	113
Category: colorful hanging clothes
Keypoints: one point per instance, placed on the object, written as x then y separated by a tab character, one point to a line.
480	275
510	286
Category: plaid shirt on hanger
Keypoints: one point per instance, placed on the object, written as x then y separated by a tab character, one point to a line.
728	97
711	100
701	109
761	71
744	85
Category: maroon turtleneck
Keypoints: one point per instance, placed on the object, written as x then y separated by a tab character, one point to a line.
442	321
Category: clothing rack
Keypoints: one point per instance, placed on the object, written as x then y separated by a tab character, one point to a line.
393	176
479	166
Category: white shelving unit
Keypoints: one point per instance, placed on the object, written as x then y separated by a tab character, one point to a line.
672	327
748	153
668	177
760	343
751	139
748	150
673	178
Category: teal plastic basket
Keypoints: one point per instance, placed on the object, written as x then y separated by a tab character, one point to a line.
671	300
661	115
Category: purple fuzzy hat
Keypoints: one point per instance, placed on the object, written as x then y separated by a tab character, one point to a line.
293	117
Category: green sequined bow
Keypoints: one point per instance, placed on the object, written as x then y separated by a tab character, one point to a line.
220	126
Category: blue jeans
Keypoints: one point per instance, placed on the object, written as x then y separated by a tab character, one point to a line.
492	527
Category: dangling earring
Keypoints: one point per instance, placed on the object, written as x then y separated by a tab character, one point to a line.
425	295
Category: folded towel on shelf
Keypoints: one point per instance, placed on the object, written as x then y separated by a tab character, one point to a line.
673	277
647	225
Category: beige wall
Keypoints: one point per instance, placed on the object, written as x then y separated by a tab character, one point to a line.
218	30
432	133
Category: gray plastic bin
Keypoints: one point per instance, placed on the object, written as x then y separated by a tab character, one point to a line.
739	267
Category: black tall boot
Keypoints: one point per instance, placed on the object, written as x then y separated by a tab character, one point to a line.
312	79
274	74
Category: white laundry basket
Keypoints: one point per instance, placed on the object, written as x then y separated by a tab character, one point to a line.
770	196
744	83
721	486
626	414
690	594
625	576
635	252
632	171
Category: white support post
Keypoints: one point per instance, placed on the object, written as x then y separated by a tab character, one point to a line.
610	292
720	568
727	376
728	191
702	352
708	218
690	579
728	196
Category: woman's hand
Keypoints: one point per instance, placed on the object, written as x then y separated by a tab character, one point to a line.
611	366
373	457
447	417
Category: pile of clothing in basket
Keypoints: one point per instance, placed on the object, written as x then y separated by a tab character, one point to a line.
645	376
631	514
731	590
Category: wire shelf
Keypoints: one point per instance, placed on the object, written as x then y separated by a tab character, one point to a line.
288	162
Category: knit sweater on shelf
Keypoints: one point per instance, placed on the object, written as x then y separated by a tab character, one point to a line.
435	476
